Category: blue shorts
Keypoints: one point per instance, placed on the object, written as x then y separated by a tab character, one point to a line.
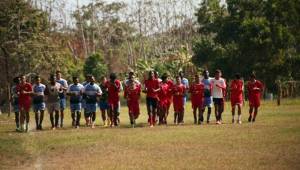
90	107
103	105
83	103
62	103
207	101
39	106
16	108
75	107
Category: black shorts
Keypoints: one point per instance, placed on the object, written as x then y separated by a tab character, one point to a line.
218	101
151	102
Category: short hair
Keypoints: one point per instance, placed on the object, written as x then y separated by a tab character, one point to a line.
37	77
237	76
102	77
52	77
113	76
131	72
177	77
218	71
74	78
58	71
252	75
164	76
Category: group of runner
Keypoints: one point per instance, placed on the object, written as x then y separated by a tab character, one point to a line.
160	92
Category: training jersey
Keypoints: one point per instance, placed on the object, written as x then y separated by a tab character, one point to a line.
64	84
132	94
76	91
207	87
236	88
27	87
91	90
253	93
197	91
114	88
217	92
53	92
163	94
39	93
151	85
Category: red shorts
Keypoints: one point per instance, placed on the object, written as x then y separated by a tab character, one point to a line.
236	102
134	108
196	103
178	104
164	104
114	105
25	105
254	102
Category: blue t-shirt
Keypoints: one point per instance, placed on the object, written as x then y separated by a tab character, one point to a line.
39	90
185	82
64	83
90	91
76	93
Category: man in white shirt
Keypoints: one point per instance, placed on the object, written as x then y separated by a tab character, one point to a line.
218	92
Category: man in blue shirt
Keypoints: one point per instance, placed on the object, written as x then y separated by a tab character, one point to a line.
62	95
185	82
75	92
39	102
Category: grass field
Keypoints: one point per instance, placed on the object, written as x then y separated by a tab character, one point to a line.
273	142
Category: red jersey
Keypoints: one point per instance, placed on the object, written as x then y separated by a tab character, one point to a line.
26	87
163	95
113	91
150	86
254	94
197	94
236	92
178	93
132	95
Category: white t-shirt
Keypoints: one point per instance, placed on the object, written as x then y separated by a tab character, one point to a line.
217	92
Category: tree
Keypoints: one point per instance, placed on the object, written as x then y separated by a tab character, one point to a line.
96	66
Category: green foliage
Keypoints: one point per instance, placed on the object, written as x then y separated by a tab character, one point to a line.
96	66
249	36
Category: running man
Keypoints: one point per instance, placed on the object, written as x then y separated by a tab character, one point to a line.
52	92
39	102
197	94
218	88
92	91
83	102
255	90
178	103
15	102
24	90
103	102
207	94
185	82
163	96
62	96
114	88
132	94
151	89
75	92
236	97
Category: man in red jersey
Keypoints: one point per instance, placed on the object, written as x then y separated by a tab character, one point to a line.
178	93
236	97
255	89
169	94
132	94
163	96
197	93
24	90
114	88
151	89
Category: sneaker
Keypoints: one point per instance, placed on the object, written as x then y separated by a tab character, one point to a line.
207	121
77	127
53	128
26	128
195	121
253	120
249	119
239	122
151	126
18	130
232	121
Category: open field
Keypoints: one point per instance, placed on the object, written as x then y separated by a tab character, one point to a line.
273	142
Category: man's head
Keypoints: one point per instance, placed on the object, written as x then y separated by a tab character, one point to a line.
113	76
52	79
151	74
252	77
23	78
178	80
75	80
205	74
156	75
164	77
197	78
130	74
103	79
58	74
92	79
218	74
181	74
237	76
37	79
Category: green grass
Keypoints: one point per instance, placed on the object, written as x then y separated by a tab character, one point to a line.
273	142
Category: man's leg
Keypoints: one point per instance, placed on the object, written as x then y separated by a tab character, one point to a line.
52	119
201	119
17	120
93	119
208	113
27	120
250	113
41	119
255	114
217	112
56	117
73	116
233	112
36	116
195	115
61	118
103	115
